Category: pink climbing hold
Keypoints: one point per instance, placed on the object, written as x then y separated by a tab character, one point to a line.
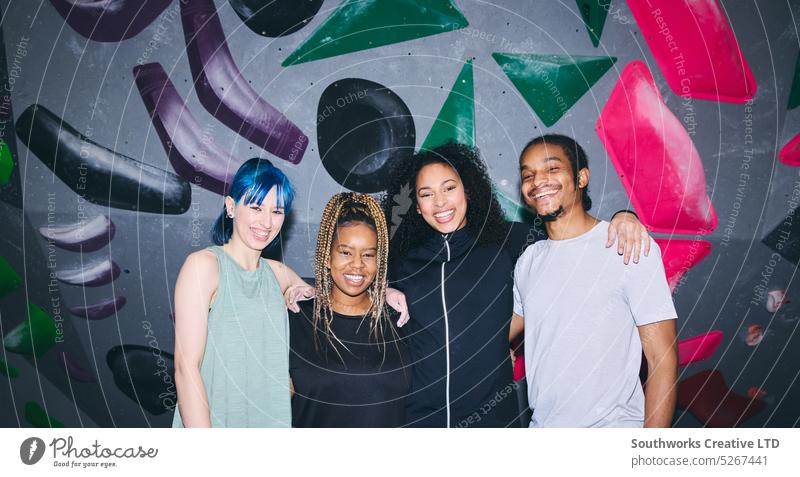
698	347
695	49
709	399
756	393
681	255
755	333
790	153
655	157
776	299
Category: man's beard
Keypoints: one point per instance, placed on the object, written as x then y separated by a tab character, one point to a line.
552	215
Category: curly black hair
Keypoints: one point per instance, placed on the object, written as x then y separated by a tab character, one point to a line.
485	218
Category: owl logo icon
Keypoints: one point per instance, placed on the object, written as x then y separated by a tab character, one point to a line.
31	450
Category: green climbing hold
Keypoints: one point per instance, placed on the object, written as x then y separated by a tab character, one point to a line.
363	24
6	163
456	119
594	14
552	84
34	336
794	95
7	370
9	280
513	211
37	417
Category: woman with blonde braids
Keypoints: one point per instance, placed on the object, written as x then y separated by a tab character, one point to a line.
347	359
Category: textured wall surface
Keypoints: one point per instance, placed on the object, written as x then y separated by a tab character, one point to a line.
242	89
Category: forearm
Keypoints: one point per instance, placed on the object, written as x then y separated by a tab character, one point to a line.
192	399
660	394
517	327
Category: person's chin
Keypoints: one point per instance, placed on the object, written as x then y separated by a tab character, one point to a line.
551	215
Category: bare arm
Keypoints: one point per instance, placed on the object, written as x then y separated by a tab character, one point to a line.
197	283
660	392
517	327
293	287
286	276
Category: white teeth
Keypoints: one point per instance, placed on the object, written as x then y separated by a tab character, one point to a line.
544	194
261	234
354	278
442	215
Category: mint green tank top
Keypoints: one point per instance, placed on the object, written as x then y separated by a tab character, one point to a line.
245	366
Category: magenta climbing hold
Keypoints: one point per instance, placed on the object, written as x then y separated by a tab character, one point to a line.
698	348
709	399
695	49
790	153
681	255
655	157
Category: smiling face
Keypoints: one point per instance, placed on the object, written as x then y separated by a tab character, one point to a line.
254	225
548	182
441	198
353	261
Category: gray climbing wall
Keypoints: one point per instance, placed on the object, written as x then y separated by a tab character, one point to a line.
175	94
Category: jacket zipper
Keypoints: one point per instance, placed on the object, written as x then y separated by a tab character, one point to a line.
446	337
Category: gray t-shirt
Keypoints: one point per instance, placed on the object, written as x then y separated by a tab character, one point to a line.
582	306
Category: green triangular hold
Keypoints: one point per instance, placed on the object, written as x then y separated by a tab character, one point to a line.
6	163
34	336
9	280
7	370
363	24
513	211
794	95
37	417
551	84
456	119
594	14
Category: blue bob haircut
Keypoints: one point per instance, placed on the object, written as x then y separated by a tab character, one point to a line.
251	184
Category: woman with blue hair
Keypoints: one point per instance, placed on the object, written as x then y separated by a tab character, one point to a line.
231	329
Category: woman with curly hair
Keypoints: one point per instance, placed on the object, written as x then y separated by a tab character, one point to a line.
453	256
347	359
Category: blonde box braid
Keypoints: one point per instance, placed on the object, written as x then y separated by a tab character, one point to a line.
323	312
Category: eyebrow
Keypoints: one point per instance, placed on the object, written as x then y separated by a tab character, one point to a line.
547	159
349	246
443	183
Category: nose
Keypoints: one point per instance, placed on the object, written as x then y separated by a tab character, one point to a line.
540	180
266	220
357	262
438	199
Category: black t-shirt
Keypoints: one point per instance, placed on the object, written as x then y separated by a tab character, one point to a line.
365	387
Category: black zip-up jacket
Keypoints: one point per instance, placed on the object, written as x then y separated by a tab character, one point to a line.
460	298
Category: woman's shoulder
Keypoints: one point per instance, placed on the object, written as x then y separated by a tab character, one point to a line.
202	261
